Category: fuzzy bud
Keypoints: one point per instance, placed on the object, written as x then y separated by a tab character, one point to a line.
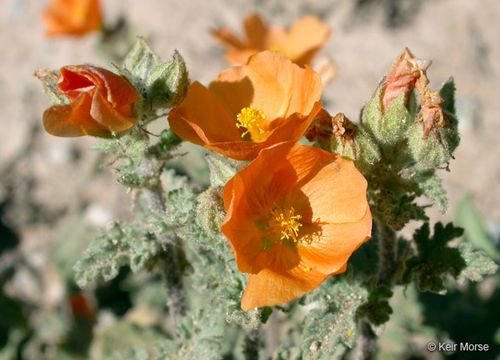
434	136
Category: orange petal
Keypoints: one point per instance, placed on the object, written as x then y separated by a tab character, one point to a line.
337	193
248	195
328	252
102	112
116	89
305	38
72	17
73	119
255	30
201	118
268	288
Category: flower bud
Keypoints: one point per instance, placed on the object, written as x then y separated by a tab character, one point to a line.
434	136
162	84
100	103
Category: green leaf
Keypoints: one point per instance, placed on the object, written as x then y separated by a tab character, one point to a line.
377	309
435	258
330	329
221	169
118	246
478	265
429	184
447	92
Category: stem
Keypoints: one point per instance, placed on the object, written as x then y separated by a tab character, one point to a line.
366	343
387	253
252	344
172	251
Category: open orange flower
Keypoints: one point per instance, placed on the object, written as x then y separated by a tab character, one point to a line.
294	217
300	44
101	103
249	108
72	17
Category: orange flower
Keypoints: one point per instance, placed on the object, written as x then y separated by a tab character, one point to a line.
72	17
249	108
294	217
101	102
300	44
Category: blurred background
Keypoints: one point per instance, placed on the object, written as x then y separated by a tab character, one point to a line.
55	193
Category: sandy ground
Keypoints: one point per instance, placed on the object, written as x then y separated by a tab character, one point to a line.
56	179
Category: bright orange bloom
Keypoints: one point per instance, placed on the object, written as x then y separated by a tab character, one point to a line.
294	217
101	102
300	44
72	17
249	108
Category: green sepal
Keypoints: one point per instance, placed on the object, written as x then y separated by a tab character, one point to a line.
433	152
388	128
49	80
167	83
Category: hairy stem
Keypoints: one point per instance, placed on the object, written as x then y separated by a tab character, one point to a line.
172	251
387	253
366	343
252	344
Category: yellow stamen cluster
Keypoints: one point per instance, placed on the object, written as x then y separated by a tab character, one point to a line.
286	224
251	119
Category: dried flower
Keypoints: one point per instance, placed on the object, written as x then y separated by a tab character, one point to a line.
251	107
300	44
407	73
72	17
294	217
101	103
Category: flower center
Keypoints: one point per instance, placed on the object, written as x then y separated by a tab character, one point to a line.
251	119
277	49
286	224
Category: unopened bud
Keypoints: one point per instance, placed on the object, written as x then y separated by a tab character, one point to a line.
434	136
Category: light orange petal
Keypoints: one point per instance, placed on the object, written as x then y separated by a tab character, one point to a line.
227	38
239	57
276	38
255	30
281	88
305	38
337	193
335	244
201	118
73	119
268	288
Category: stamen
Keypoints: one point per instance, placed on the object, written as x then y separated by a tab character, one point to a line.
251	119
286	224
